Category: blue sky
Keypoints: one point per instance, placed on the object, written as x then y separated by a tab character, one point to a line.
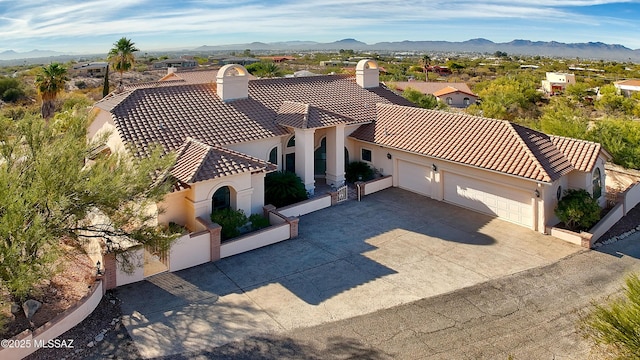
92	26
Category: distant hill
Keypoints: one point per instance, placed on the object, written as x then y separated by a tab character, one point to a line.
590	50
13	55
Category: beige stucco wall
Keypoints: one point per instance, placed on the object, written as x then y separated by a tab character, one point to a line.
103	123
261	148
457	99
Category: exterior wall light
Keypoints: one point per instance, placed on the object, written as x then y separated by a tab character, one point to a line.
99	268
434	167
389	156
537	192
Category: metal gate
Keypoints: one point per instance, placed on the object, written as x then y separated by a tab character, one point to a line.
343	193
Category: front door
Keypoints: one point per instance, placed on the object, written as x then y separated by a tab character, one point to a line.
290	162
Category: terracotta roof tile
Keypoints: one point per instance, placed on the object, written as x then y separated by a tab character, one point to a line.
581	153
197	161
169	114
430	87
486	143
630	82
451	90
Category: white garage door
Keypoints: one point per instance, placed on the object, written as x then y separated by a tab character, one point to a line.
414	177
503	202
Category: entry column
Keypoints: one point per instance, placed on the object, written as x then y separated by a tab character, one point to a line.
335	155
304	157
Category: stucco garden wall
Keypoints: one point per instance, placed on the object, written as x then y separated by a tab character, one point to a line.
190	250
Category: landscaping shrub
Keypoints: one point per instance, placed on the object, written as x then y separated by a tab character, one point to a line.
283	188
358	171
578	210
230	220
258	222
615	326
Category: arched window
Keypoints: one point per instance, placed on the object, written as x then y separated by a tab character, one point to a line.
273	156
221	199
292	142
597	183
466	101
449	101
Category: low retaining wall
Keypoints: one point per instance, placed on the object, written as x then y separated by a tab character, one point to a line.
307	206
631	197
190	250
587	239
372	186
56	327
255	240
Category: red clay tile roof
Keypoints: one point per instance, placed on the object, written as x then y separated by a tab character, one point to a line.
304	116
581	153
169	114
485	143
197	161
630	82
430	87
451	90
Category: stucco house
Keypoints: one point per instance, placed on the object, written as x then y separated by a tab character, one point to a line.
228	135
628	87
557	82
457	95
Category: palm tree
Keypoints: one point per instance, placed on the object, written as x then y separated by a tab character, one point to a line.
426	60
49	83
121	56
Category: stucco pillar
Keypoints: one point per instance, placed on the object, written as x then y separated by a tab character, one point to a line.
243	200
304	157
335	155
197	209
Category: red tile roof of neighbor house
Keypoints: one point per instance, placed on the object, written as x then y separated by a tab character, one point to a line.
630	82
169	114
197	161
451	90
430	87
485	143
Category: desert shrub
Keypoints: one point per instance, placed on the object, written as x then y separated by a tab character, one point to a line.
615	326
358	171
258	222
578	209
283	188
230	220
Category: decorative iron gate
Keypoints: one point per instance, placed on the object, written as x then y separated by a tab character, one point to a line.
343	193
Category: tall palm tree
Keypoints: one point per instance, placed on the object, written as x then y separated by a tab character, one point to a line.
49	83
121	56
426	60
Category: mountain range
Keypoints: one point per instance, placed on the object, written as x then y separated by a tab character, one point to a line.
589	50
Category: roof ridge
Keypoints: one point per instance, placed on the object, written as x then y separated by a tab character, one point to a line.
201	160
573	139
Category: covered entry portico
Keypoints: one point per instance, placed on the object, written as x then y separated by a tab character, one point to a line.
315	131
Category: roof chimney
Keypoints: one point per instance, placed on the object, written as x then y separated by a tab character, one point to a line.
171	70
233	82
367	74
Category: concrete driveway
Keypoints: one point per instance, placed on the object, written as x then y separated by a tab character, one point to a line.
392	248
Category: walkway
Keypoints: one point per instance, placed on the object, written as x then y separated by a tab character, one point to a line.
392	248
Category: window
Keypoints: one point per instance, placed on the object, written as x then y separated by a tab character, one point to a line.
559	192
597	183
466	101
366	155
449	101
292	142
221	199
273	156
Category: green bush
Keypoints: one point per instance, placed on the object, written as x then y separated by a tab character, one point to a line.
283	188
578	209
358	171
230	220
258	222
616	326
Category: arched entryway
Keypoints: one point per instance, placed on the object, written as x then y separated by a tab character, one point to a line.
221	199
320	159
290	155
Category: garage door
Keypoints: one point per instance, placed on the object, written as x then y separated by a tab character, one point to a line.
505	203
414	177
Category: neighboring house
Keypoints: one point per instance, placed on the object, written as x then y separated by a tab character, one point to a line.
228	135
453	94
557	82
175	63
628	87
93	69
238	60
440	70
